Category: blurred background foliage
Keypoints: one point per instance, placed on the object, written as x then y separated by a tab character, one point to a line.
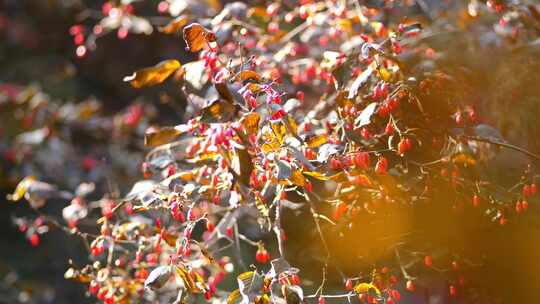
42	75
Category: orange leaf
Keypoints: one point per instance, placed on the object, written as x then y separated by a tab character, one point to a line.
153	75
197	37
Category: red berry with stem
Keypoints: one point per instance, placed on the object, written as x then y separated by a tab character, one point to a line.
382	166
322	300
262	256
389	129
349	284
475	200
452	290
93	287
428	261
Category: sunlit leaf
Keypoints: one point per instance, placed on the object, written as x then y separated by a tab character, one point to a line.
158	277
191	280
359	82
249	75
297	178
250	122
234	297
365	288
162	136
365	117
153	75
316	141
197	37
219	110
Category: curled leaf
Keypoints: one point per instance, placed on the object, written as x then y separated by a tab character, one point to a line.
158	277
153	75
197	37
359	82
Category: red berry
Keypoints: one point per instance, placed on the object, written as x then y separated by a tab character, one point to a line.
389	129
34	239
262	256
534	189
209	226
230	232
322	300
300	95
349	284
475	200
455	265
428	261
340	210
519	207
382	165
459	118
525	205
93	287
453	291
410	286
526	191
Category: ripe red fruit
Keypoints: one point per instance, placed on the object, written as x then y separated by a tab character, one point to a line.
34	240
534	189
309	187
209	226
389	129
525	205
404	145
322	300
519	207
262	256
340	210
300	95
349	284
382	165
365	133
230	232
453	291
455	265
93	287
410	286
526	191
428	261
475	200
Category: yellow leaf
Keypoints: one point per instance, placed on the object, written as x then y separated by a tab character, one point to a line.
249	75
153	75
316	140
251	122
366	287
174	26
197	37
279	130
190	280
219	110
21	189
160	137
317	175
234	297
385	74
297	178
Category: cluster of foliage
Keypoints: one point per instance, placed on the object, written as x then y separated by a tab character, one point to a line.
320	138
